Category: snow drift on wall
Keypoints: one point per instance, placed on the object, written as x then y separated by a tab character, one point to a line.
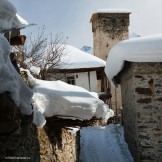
141	49
10	80
57	98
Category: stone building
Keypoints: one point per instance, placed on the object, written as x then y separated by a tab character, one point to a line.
138	70
142	100
109	27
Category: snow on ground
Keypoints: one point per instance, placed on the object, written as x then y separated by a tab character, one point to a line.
104	144
9	18
11	81
66	101
142	49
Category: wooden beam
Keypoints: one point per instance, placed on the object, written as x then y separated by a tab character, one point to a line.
75	70
17	40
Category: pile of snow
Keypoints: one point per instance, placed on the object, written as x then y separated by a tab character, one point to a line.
142	49
87	49
10	80
74	58
35	70
9	18
104	144
57	98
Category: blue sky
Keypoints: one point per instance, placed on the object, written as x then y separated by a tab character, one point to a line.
71	17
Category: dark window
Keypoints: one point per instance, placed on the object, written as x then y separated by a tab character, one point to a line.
71	80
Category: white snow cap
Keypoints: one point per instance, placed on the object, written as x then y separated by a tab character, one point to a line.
74	58
57	98
142	49
11	81
112	11
35	70
22	21
9	18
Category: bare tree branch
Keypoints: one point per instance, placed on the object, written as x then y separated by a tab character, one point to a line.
38	52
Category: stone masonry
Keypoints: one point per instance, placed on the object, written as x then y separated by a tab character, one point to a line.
58	145
108	29
18	135
20	140
141	86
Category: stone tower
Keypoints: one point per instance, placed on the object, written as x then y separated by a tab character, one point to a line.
109	27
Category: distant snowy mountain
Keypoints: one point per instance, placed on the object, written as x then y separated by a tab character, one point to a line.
133	35
87	49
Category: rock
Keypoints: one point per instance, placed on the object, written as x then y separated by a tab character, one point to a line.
58	145
7	127
8	109
18	134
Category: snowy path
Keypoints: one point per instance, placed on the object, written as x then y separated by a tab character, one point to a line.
104	144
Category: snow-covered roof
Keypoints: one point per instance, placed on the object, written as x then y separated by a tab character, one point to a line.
117	11
9	19
10	80
23	22
57	98
141	49
74	58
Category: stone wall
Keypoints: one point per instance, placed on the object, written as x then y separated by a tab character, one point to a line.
109	29
20	140
18	135
58	145
141	86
